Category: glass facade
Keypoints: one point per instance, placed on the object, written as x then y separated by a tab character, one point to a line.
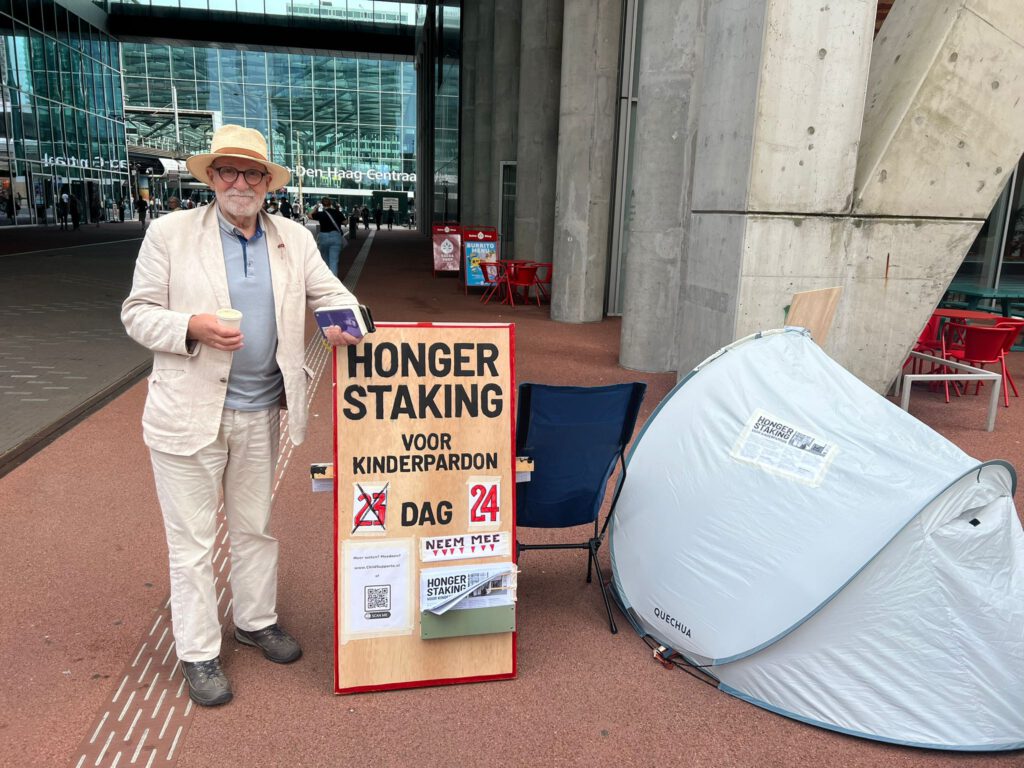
996	258
343	126
382	12
61	115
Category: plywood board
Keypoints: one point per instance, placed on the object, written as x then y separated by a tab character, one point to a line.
425	473
815	311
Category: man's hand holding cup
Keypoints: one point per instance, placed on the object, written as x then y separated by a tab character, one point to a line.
218	331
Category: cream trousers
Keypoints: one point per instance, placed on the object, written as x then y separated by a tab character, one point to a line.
240	464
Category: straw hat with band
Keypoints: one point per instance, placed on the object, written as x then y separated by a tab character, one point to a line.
243	143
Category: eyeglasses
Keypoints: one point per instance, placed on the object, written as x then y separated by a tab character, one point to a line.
252	176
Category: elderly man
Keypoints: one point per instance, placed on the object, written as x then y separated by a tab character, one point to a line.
211	419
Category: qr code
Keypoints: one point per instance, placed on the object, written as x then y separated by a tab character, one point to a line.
378	598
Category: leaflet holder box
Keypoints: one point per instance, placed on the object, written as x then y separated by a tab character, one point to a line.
472	621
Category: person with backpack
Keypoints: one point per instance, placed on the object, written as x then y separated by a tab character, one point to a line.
331	239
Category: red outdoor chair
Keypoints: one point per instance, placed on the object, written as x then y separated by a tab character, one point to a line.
543	280
929	342
520	278
495	280
1016	326
982	345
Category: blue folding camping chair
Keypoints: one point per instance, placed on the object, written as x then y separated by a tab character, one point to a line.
575	436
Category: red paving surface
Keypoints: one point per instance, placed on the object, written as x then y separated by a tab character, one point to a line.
83	564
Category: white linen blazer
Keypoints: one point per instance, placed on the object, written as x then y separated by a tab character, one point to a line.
180	272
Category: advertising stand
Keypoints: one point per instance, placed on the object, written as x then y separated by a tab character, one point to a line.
447	247
478	244
425	574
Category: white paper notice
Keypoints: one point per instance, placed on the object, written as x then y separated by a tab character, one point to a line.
377	588
783	449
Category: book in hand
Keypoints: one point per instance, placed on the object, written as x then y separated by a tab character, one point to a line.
356	321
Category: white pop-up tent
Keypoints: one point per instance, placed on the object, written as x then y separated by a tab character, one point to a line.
823	554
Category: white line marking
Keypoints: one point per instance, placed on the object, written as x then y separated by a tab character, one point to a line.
70	247
128	735
161	640
98	727
126	705
222	564
174	669
152	757
138	748
159	618
167	604
139	654
180	687
114	700
145	669
159	703
170	714
99	757
188	708
169	649
117	759
227	608
221	595
152	685
216	554
80	761
174	744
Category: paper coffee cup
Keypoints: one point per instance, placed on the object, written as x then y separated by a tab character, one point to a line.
229	317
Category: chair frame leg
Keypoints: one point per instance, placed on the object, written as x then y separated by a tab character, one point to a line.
593	564
595	544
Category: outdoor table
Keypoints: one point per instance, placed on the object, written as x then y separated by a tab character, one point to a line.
967	315
971	315
1006	295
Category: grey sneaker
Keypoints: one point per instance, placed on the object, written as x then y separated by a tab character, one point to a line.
276	644
207	683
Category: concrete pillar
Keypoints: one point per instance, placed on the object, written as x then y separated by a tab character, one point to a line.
781	107
427	190
537	146
942	133
507	26
588	105
939	135
944	123
467	128
672	45
483	172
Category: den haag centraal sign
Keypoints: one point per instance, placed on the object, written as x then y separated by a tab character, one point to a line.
425	453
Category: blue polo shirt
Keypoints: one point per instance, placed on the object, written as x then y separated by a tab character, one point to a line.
255	381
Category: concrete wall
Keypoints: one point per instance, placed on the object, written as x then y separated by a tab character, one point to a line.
537	148
670	66
586	157
945	120
889	220
780	115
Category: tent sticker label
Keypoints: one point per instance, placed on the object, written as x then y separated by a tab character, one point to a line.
784	449
436	549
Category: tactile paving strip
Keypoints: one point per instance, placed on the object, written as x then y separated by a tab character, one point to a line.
146	721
